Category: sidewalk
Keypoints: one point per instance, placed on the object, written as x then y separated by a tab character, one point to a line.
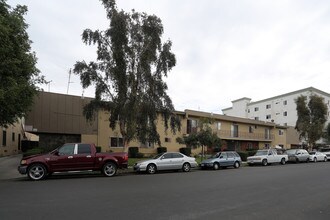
8	167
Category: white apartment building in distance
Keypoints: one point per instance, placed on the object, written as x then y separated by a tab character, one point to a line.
280	109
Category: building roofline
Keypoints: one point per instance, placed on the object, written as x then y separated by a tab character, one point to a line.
292	93
228	118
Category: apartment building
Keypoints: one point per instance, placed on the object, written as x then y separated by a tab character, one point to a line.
236	133
10	139
280	109
58	118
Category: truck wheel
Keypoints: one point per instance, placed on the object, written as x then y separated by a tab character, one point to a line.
186	167
216	166
264	162
236	164
37	172
282	161
151	168
109	169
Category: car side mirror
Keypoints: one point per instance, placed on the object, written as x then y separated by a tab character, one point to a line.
221	157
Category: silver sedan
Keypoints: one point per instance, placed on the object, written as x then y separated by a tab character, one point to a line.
166	161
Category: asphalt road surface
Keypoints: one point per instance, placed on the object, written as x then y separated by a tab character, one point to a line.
292	191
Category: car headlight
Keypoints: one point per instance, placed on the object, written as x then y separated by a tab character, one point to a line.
23	162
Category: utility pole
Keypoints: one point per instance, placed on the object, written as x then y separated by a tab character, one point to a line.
67	91
48	83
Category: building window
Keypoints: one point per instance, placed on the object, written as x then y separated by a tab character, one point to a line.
4	138
13	137
268	116
218	125
285	102
191	126
234	130
268	106
248	110
267	146
116	142
251	129
267	133
256	109
168	140
256	118
285	113
280	132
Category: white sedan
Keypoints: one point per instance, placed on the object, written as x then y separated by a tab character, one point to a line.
317	156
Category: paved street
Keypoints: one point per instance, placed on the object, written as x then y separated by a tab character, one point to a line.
293	191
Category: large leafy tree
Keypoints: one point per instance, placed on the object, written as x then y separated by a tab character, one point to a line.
18	73
128	74
311	118
204	137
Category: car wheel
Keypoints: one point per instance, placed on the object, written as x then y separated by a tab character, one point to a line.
151	168
307	161
186	167
282	161
236	164
216	166
264	162
37	172
297	160
315	160
325	159
109	169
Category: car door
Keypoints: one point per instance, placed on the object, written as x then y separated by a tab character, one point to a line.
177	161
223	159
63	160
231	159
271	157
83	157
165	162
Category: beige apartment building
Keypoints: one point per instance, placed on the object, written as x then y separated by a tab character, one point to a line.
238	134
10	139
58	119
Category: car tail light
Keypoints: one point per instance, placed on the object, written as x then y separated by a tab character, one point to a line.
125	157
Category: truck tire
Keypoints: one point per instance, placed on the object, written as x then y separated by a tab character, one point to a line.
264	162
109	169
37	171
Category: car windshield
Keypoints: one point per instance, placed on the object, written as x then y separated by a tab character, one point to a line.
291	151
312	153
157	156
261	152
215	155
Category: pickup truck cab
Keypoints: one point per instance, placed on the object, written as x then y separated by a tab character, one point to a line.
72	157
267	156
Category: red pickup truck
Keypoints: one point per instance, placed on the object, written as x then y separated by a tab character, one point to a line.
72	157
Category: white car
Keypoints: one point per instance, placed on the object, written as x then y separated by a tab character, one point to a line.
266	157
166	161
317	156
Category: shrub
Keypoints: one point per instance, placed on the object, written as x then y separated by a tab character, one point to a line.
139	155
186	151
243	155
251	152
133	152
161	150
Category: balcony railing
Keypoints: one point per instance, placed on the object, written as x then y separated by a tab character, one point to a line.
225	134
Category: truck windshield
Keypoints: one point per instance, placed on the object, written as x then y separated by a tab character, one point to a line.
261	152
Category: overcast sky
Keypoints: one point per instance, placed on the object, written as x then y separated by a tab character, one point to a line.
225	49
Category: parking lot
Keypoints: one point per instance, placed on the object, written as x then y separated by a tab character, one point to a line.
292	191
